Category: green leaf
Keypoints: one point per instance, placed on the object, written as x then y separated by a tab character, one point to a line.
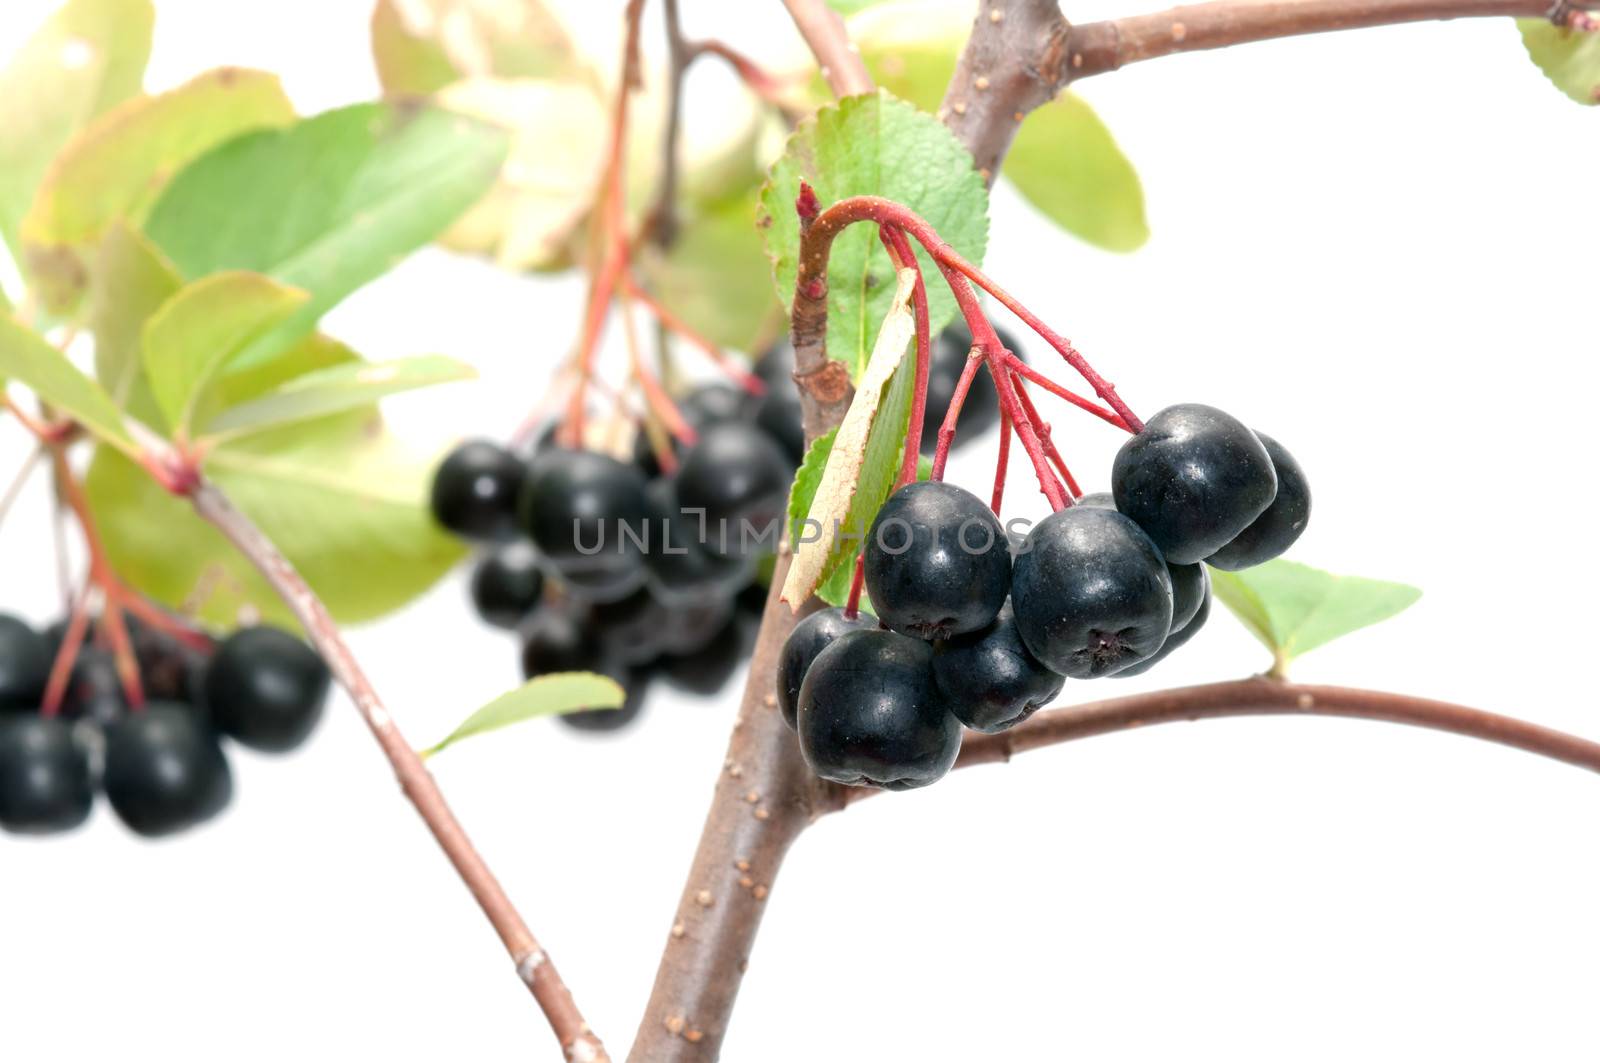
117	166
343	498
1569	58
850	7
409	64
715	276
861	464
1294	608
88	57
335	390
334	201
27	358
546	695
1066	163
204	327
129	282
872	145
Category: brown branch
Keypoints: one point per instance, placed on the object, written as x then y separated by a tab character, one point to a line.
661	226
1261	696
533	966
838	58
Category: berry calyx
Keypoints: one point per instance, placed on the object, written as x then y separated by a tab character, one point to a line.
872	715
937	561
45	782
25	657
507	584
475	491
165	771
1090	593
265	688
1270	534
1174	641
989	679
1193	479
809	638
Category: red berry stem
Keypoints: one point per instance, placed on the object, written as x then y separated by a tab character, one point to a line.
127	662
1045	430
1002	459
1029	372
676	325
947	427
852	604
61	670
900	252
655	396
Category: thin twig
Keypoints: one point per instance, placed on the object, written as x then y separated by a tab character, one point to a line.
838	58
14	489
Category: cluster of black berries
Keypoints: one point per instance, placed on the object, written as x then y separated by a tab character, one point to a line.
615	567
161	766
972	635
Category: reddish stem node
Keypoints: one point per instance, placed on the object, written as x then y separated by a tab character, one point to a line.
900	252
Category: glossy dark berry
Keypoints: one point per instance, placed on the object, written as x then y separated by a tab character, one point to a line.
561	639
1174	640
171	670
947	360
711	404
872	715
597	586
691	625
507	584
989	679
601	721
265	688
1270	534
475	490
165	771
1090	593
708	669
937	561
1193	480
25	657
633	629
679	568
1190	583
808	639
737	475
585	512
45	782
778	414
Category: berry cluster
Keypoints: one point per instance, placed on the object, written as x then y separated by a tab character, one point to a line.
980	632
159	762
626	568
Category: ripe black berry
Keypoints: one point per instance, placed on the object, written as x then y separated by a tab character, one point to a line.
707	670
740	479
265	688
475	490
1193	480
989	679
1174	640
691	625
778	414
871	714
45	784
24	664
1190	583
1090	593
507	584
561	639
808	639
1280	525
776	364
711	404
165	771
937	561
633	629
680	569
95	691
585	512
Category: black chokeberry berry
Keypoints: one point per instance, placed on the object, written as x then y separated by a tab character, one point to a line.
1174	640
778	414
171	670
989	679
809	638
707	670
1270	534
691	625
633	629
165	771
679	569
1090	593
739	478
561	638
872	715
1193	479
45	782
475	490
507	584
586	512
776	363
265	688
24	664
711	404
937	561
94	692
1190	583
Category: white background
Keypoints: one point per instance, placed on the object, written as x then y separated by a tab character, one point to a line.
1377	246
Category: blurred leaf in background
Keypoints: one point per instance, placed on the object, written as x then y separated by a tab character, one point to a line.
555	694
1571	60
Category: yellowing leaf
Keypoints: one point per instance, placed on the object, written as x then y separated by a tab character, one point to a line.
865	453
27	358
1569	58
554	694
